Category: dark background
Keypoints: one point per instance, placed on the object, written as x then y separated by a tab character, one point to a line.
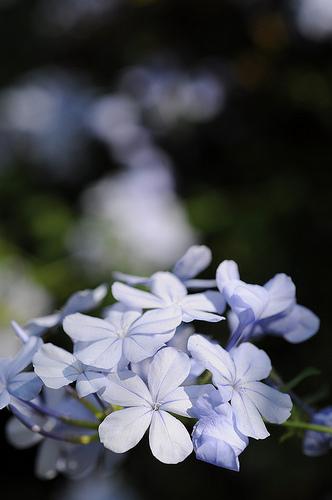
254	181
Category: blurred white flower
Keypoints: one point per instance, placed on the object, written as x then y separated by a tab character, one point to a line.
20	298
135	219
314	18
168	95
98	487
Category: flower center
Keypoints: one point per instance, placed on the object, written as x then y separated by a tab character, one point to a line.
156	406
122	332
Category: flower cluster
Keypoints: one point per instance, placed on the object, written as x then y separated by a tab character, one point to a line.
141	366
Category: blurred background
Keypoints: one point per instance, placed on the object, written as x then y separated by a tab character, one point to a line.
131	129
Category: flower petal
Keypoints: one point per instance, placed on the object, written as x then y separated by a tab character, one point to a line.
123	429
281	290
275	406
168	287
37	326
158	321
217	441
134	297
183	399
169	439
90	382
167	371
251	363
216	452
131	279
47	459
20	436
247	416
297	326
84	300
136	348
127	389
214	358
196	259
24	356
247	301
121	316
103	354
207	302
81	327
227	271
25	385
56	366
4	398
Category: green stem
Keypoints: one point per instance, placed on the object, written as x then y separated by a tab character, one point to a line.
84	439
86	424
89	406
307	426
205	378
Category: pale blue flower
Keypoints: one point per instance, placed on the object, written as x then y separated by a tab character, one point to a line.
148	405
124	335
57	368
193	262
81	301
271	308
215	436
237	375
56	456
167	290
316	443
14	383
296	325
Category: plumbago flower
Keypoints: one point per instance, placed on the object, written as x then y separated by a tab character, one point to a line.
238	376
193	262
167	290
55	456
150	405
15	384
141	367
271	308
316	443
216	438
81	301
124	335
57	368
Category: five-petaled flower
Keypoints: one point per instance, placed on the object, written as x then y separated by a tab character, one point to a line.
167	290
237	375
150	405
124	335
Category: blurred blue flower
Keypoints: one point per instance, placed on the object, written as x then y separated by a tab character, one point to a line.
81	301
56	456
316	443
16	384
